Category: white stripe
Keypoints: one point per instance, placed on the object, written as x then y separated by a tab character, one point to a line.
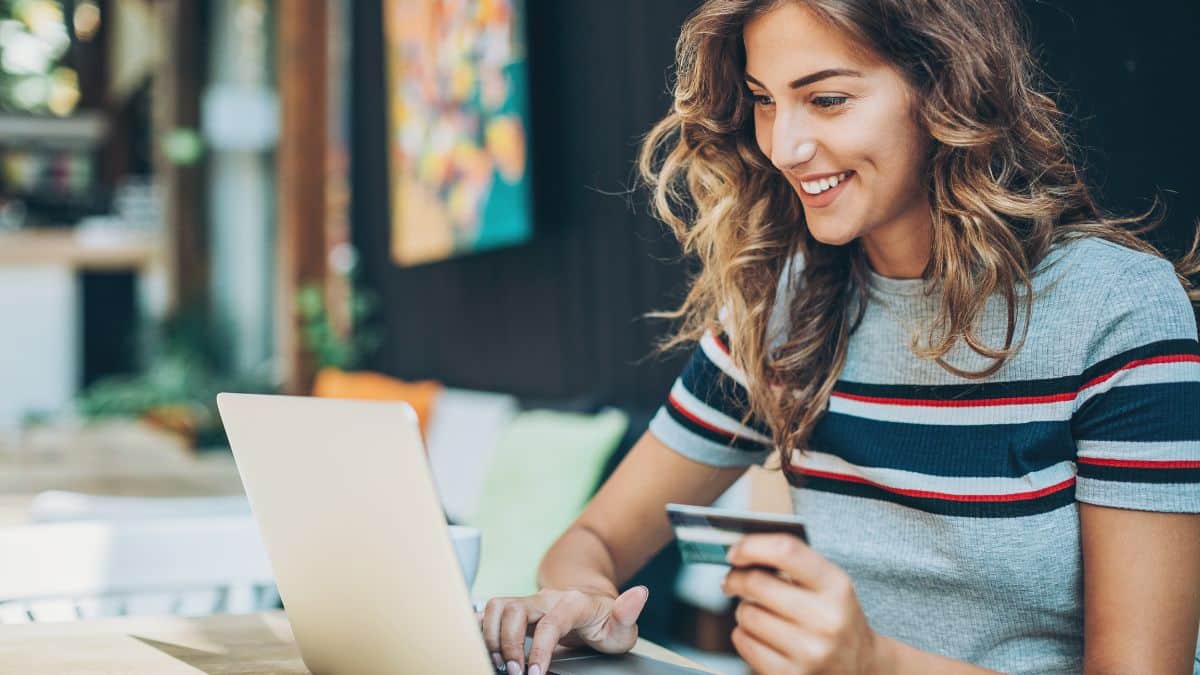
720	359
1167	451
954	485
1055	411
707	535
1152	373
712	416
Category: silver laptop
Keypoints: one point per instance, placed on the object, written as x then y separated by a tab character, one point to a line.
358	542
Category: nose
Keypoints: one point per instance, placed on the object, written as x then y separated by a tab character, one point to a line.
792	140
790	152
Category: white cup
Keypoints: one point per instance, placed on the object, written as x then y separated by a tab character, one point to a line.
466	547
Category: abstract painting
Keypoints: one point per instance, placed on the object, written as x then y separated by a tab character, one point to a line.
458	127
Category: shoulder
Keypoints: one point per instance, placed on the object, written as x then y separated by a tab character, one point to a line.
1091	259
1094	269
1127	298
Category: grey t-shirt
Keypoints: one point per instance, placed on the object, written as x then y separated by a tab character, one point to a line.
953	502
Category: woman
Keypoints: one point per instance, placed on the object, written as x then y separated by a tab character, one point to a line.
989	387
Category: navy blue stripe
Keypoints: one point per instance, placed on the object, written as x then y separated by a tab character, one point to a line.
993	450
1160	348
1123	474
1169	411
736	442
707	382
941	507
977	391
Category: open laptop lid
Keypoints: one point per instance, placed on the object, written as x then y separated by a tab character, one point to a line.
356	536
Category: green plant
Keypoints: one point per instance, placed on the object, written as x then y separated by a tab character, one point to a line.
329	347
178	385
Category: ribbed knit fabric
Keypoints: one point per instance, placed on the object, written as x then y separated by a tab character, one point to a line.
952	502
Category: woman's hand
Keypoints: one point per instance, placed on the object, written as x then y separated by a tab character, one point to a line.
807	621
595	619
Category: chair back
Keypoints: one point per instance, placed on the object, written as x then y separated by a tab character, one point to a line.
88	569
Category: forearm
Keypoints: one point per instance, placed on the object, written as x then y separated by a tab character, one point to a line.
580	560
901	659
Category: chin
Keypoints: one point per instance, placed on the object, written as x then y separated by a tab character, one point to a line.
833	236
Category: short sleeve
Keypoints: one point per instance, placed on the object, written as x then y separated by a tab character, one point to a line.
702	417
1136	420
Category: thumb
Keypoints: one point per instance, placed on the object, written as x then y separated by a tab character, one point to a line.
628	606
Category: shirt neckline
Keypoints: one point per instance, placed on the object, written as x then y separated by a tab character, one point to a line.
918	286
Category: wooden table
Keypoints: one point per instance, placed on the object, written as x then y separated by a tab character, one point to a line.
110	458
217	645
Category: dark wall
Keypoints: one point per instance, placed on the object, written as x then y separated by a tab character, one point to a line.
1128	75
559	316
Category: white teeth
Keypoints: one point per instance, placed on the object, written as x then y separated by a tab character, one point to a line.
816	187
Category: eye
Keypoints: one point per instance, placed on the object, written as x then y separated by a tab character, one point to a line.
830	102
759	100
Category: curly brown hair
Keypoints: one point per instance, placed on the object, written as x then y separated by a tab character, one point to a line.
1002	183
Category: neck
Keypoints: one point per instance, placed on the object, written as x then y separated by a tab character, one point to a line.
900	249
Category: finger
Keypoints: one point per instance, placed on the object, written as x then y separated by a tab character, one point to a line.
781	597
620	631
513	624
491	628
776	632
786	553
629	605
760	657
563	618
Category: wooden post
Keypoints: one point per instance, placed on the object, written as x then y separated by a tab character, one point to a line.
176	96
302	161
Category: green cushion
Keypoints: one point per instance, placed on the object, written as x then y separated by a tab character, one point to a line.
543	472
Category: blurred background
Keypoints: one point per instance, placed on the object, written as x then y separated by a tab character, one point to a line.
400	199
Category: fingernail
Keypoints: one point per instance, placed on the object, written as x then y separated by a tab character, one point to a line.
514	668
498	662
535	669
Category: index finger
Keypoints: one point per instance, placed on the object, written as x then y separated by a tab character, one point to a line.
559	621
785	553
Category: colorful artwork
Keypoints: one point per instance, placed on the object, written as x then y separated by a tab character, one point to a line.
458	116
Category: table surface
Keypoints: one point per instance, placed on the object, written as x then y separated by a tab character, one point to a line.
217	645
112	458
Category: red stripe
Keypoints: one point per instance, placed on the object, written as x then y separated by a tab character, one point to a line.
1142	463
1018	496
707	425
1171	358
719	342
959	403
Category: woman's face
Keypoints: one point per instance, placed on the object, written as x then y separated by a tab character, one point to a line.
823	110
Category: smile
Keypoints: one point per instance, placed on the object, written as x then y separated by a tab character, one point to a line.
819	193
816	187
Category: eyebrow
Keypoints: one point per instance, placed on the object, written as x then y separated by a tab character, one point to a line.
814	77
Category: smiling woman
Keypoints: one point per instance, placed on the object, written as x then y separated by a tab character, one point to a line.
979	383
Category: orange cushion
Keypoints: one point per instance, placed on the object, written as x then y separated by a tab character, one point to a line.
369	386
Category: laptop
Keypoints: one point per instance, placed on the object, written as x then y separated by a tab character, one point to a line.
358	542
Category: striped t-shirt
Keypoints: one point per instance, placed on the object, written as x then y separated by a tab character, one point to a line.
952	503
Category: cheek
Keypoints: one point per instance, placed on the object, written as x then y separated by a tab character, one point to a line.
896	154
762	135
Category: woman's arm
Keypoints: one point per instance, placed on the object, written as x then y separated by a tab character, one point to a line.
625	524
619	530
1141	580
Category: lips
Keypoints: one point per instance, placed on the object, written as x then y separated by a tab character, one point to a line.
827	197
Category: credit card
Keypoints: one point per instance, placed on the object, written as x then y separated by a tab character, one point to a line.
704	534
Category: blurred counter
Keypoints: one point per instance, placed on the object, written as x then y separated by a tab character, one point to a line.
41	315
103	250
